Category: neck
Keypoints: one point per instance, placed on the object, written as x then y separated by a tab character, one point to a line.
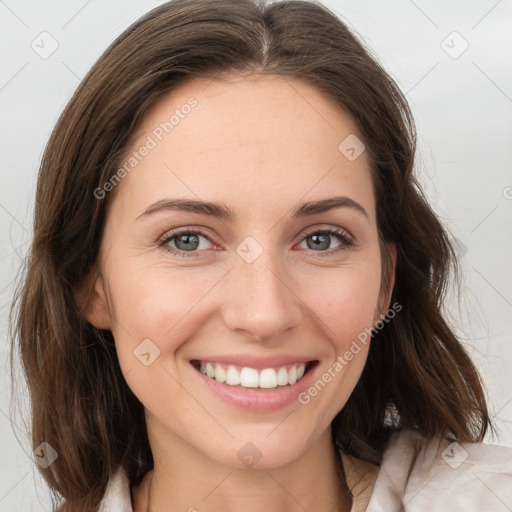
190	481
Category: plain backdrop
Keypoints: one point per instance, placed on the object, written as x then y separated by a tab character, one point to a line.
453	61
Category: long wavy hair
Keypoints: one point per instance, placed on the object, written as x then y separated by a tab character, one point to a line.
80	403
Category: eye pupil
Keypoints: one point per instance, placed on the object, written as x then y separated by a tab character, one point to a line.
319	239
188	244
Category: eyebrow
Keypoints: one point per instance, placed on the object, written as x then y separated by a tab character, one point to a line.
220	211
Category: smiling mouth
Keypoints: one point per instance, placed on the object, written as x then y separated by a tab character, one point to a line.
246	377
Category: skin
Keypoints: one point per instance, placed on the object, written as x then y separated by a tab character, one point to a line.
260	158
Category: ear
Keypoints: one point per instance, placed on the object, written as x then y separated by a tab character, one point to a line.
388	279
91	298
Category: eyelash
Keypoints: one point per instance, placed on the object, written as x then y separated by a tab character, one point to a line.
346	241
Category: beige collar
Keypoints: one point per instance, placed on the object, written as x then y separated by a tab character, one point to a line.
360	477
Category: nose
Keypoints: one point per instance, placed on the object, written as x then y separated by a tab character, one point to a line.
259	299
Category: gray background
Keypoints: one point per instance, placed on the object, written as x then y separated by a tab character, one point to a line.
462	102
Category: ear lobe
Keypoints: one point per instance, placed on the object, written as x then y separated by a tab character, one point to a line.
91	299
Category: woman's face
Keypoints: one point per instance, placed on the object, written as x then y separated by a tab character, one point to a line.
249	293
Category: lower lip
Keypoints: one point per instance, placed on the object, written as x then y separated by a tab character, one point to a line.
255	399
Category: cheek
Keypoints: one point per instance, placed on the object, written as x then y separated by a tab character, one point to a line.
345	303
153	308
345	300
155	302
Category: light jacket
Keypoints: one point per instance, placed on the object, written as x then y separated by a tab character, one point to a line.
445	476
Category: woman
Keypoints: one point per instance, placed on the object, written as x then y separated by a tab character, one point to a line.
233	297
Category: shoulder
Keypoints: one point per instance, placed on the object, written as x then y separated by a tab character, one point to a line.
117	497
442	475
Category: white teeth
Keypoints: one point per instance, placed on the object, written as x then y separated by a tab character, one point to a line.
220	374
249	378
292	375
282	376
268	378
210	371
232	376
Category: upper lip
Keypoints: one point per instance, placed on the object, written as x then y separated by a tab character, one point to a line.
256	362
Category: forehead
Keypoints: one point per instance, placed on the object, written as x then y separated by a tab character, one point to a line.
248	142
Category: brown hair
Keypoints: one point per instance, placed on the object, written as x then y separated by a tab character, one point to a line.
80	402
